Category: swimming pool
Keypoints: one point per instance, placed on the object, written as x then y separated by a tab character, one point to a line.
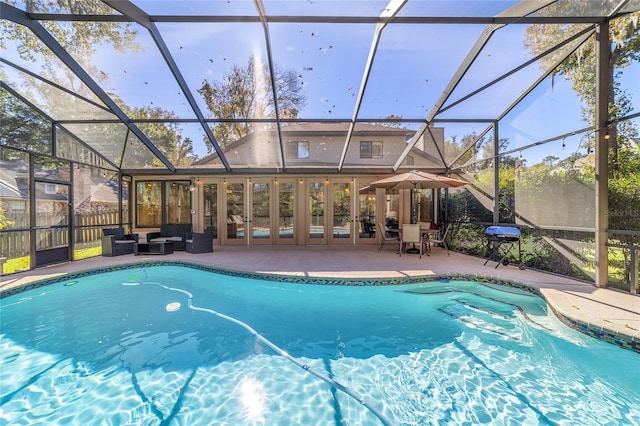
176	345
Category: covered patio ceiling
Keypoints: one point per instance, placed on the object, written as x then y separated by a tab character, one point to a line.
139	84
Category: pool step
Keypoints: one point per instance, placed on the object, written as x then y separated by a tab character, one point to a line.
494	324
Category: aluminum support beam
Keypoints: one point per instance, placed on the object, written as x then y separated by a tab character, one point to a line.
496	177
265	27
139	16
387	14
602	152
22	18
514	13
55	123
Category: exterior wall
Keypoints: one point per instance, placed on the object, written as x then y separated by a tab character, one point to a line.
261	149
300	208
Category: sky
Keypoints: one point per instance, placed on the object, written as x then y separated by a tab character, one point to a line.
412	67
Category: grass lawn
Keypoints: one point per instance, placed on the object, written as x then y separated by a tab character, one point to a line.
23	263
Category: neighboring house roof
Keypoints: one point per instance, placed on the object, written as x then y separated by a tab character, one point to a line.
10	181
7	191
342	128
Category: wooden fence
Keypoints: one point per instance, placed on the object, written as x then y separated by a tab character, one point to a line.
14	242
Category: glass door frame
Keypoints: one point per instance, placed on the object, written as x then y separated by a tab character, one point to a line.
251	213
330	212
210	207
57	253
295	223
234	220
361	234
306	199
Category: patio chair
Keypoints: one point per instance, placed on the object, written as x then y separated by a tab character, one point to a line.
411	235
115	242
386	236
200	242
440	239
368	229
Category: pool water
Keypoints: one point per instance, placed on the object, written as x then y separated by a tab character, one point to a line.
173	345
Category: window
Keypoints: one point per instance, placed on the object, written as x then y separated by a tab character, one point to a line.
162	202
50	188
297	150
148	203
370	149
177	202
409	160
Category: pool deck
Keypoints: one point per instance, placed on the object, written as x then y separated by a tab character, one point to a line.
614	312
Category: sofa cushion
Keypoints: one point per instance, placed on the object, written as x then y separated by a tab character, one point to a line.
175	230
118	233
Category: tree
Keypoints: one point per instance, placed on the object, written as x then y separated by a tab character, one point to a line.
468	155
246	93
393	121
5	222
22	127
79	38
166	136
549	160
579	68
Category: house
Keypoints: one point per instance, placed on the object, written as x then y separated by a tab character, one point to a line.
320	145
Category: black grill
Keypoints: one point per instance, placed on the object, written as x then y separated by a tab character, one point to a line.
500	242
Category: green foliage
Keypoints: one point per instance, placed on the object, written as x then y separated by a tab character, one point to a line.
87	252
246	93
22	127
17	264
165	136
4	220
80	38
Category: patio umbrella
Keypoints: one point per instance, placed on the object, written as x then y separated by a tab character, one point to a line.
416	179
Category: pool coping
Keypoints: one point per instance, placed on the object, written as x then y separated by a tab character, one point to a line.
626	338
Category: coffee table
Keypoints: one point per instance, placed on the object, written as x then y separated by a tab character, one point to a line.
165	247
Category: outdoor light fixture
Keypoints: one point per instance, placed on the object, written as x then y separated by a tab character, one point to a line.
606	134
564	146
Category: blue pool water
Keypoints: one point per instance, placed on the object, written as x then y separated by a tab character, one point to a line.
173	345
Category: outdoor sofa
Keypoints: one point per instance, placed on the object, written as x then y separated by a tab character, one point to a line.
175	233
